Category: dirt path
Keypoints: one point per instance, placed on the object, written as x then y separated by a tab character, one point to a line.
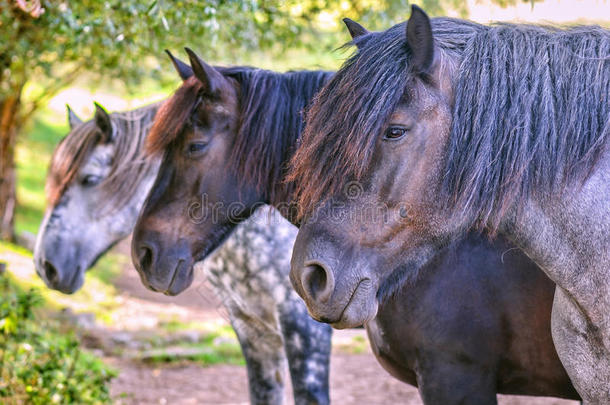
190	384
355	379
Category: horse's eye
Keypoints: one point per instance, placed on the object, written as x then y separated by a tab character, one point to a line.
91	180
394	133
196	147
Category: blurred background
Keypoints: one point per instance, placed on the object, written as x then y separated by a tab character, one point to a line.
114	340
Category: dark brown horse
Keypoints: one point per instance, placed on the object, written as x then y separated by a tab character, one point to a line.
447	126
226	134
461	341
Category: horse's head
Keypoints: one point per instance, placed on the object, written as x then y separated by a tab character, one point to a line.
367	183
197	199
227	135
96	185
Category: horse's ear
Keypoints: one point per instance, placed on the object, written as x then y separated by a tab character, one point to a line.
355	30
420	40
102	121
73	119
211	78
184	70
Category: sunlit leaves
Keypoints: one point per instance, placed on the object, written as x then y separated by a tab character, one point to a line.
124	39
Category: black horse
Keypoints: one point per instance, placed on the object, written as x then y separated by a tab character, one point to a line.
476	323
226	136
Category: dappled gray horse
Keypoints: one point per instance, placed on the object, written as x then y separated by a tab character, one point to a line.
96	185
250	273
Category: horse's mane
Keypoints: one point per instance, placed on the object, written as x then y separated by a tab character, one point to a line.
531	112
270	121
533	118
129	165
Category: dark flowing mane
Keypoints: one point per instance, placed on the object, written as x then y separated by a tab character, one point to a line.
531	112
129	165
270	121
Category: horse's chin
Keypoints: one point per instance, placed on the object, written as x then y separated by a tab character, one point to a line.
181	280
75	284
354	320
176	289
360	309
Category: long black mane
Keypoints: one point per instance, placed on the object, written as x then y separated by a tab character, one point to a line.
531	112
271	106
270	122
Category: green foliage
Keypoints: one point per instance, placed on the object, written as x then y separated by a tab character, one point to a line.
124	39
39	363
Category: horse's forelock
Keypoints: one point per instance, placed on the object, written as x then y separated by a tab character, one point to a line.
345	117
269	122
130	165
172	116
68	157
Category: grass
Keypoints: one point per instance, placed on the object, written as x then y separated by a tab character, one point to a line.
108	268
217	343
175	325
218	346
9	247
206	354
214	344
355	345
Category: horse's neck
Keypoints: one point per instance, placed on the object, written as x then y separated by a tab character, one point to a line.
283	202
568	235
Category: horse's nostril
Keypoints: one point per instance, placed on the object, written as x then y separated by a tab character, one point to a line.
317	282
316	277
146	257
51	273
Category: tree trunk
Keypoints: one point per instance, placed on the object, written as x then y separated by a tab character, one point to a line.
9	126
